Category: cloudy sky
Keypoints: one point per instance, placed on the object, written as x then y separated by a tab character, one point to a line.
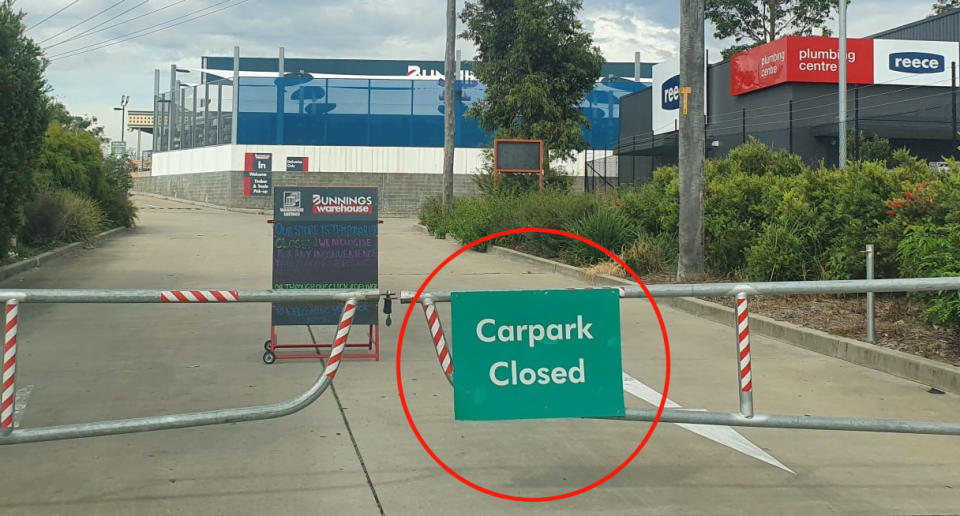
90	77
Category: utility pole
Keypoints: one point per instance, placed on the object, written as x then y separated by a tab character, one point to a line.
691	139
842	93
449	109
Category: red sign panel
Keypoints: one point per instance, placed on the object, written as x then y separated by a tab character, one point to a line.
800	59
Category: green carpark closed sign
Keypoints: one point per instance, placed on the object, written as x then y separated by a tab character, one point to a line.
537	354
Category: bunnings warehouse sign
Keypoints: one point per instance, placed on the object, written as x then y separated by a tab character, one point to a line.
537	354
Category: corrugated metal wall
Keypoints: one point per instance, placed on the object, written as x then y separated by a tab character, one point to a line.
944	27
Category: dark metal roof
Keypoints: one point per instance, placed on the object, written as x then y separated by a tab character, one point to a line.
940	27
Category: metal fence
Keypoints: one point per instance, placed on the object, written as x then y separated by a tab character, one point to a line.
745	387
10	435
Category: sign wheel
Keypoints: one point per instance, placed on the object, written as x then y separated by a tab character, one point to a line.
269	357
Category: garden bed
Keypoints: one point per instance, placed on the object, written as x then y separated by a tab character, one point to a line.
897	321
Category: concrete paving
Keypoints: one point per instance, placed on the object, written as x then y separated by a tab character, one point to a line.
93	362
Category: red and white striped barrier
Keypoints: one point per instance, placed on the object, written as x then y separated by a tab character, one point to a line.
743	356
198	296
9	366
439	342
340	341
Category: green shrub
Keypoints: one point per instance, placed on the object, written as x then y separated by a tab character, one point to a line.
649	254
655	206
931	251
550	209
782	250
756	159
875	149
61	216
610	228
433	215
118	209
735	207
473	218
114	198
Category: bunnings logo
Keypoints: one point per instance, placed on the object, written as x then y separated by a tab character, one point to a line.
917	62
670	98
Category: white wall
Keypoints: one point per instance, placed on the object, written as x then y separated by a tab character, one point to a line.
412	160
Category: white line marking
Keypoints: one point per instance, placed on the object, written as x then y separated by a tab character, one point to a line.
724	435
20	405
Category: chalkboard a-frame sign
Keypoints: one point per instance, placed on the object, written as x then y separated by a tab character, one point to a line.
324	238
517	157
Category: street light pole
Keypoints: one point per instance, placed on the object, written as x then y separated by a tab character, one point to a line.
842	93
124	99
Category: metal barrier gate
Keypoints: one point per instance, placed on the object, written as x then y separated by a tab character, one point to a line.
9	435
739	291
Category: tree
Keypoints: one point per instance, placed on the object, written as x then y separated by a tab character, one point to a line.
72	159
23	118
943	6
538	64
755	22
60	114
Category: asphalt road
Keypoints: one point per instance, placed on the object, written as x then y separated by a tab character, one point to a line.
94	362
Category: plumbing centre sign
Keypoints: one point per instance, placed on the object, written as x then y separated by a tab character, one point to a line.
869	61
537	354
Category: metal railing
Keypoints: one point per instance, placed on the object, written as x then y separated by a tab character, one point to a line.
740	292
9	435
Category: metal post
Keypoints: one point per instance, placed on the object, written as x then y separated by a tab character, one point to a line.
743	125
744	375
193	120
458	93
791	126
219	113
156	110
281	97
173	104
9	387
870	309
953	100
206	114
234	118
182	93
139	158
842	90
856	124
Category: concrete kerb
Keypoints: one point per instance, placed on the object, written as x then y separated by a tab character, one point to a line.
252	211
904	365
13	269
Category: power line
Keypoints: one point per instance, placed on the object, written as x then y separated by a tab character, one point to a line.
52	15
81	23
71	38
81	36
140	33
